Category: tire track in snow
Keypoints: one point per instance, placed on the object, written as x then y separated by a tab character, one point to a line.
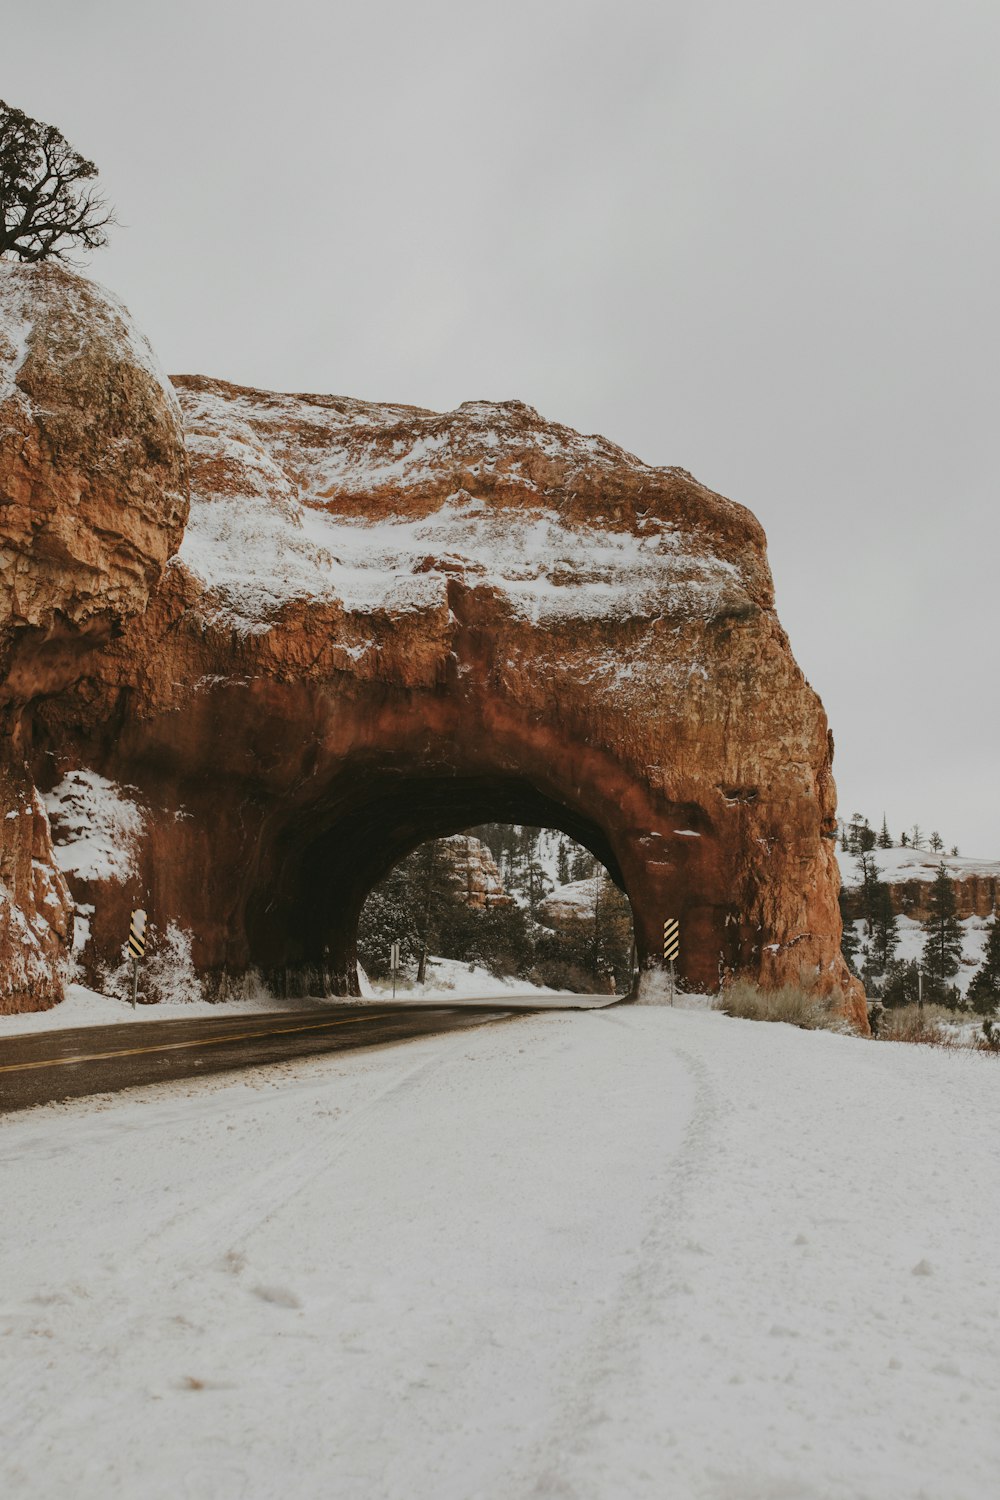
564	1460
244	1207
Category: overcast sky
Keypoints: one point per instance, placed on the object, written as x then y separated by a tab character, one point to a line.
758	240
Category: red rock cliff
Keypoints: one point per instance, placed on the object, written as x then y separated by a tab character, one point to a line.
386	624
93	500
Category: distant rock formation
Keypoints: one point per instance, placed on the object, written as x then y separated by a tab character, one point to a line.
569	906
909	874
470	872
385	625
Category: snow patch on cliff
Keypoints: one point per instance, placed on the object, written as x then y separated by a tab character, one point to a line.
15	330
275	513
95	827
258	554
98	313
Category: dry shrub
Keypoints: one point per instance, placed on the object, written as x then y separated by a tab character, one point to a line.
912	1023
796	1004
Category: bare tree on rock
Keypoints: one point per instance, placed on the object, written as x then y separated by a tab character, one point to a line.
48	204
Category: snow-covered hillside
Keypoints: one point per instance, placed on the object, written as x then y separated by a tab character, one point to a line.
619	1255
898	865
912	937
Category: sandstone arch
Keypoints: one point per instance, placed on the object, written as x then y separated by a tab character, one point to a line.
384	623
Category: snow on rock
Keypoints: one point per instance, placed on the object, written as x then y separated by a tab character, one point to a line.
898	865
479	595
92	464
571	903
618	1255
909	874
96	827
277	481
15	329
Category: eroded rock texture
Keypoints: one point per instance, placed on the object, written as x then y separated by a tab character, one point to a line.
36	912
93	500
468	871
385	625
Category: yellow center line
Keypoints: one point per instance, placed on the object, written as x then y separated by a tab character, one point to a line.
208	1041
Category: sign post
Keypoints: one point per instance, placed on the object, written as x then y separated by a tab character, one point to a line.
136	947
394	965
671	947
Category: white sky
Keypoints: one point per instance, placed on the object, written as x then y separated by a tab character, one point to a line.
758	240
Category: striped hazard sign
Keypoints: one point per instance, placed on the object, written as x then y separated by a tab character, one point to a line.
671	939
137	934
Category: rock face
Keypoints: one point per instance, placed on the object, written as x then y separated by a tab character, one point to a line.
386	625
93	500
36	913
92	471
909	874
470	872
568	906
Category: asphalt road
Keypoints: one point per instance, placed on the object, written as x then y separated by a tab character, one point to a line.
44	1066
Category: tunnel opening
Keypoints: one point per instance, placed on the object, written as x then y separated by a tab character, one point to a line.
320	859
498	907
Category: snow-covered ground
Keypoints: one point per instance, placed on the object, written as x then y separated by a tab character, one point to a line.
898	865
912	937
448	977
83	1007
447	980
606	1255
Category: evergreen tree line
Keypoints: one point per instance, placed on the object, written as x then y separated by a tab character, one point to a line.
895	981
857	836
418	906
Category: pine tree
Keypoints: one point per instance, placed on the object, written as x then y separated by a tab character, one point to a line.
884	838
868	870
943	941
984	991
849	938
860	835
905	840
901	985
885	929
937	842
917	836
562	863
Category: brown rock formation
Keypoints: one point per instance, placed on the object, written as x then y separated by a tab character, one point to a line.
386	625
93	500
909	874
36	913
469	871
975	896
569	906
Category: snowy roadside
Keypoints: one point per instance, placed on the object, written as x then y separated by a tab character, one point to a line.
449	981
614	1255
83	1007
449	977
